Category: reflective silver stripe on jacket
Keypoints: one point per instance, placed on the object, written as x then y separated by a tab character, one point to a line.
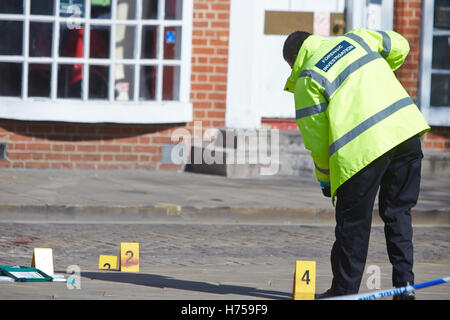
320	79
360	41
370	122
386	44
324	171
354	66
331	87
309	111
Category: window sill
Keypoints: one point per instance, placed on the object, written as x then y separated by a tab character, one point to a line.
437	116
96	111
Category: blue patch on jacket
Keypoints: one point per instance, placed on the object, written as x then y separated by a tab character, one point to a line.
335	54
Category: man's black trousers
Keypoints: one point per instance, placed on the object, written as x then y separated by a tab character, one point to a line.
397	176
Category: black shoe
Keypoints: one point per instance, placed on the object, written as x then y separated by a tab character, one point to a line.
405	295
326	294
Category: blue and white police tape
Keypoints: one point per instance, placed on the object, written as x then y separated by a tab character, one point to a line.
390	292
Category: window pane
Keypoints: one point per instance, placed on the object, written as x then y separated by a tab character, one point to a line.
39	76
150	9
149	42
71	8
71	41
124	42
172	43
41	39
124	76
174	9
69	80
441	50
148	83
11	34
15	7
11	85
98	82
171	83
126	9
100	36
442	14
100	9
42	7
440	90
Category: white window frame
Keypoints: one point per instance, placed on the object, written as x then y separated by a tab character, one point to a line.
102	111
357	14
436	116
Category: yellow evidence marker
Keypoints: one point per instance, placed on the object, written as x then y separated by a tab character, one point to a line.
304	280
43	260
107	262
129	256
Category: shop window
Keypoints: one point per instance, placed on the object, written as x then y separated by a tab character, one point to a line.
117	51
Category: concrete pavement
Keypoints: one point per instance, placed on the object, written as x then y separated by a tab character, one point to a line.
139	195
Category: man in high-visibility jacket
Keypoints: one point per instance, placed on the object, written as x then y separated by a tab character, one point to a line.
363	130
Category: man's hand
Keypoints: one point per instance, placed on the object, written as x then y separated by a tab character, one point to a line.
326	192
325	188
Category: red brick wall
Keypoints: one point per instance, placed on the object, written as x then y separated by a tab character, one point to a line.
107	146
86	146
438	139
210	61
407	21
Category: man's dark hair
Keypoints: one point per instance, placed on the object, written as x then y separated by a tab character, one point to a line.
293	43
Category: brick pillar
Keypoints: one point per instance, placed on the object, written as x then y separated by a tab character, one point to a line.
407	23
210	61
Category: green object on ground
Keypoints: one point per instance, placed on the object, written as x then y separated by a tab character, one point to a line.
25	274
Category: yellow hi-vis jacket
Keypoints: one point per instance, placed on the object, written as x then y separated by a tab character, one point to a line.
350	107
